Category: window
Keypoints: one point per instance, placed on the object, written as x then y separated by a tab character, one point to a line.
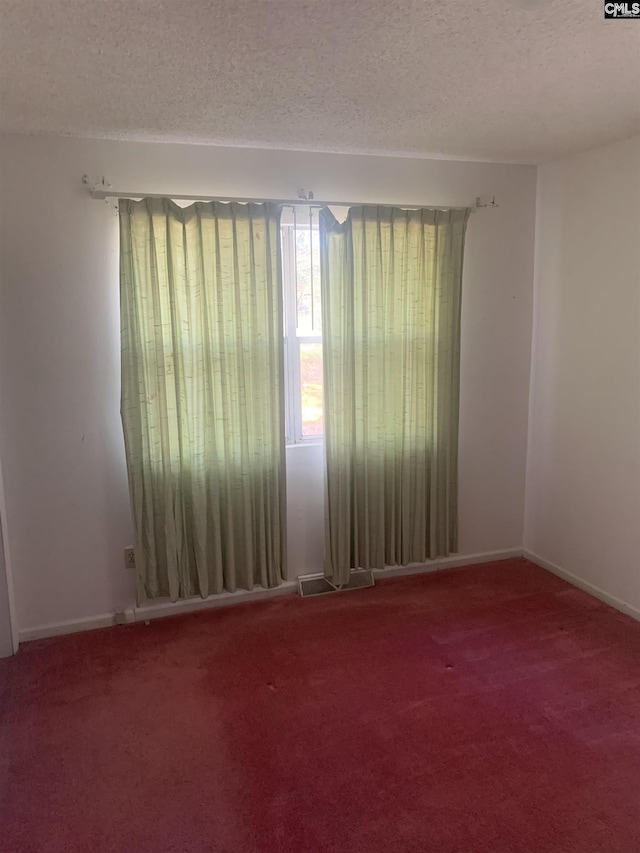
302	324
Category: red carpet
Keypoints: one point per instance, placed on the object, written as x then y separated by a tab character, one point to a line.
493	708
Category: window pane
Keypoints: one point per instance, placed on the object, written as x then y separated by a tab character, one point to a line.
309	320
286	272
311	388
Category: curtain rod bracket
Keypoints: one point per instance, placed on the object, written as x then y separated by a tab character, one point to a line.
492	203
99	189
99	184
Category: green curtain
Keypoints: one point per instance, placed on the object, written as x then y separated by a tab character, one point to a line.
202	396
391	286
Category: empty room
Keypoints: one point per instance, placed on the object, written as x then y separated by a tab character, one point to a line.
319	426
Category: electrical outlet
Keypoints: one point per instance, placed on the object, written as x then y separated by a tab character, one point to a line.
129	558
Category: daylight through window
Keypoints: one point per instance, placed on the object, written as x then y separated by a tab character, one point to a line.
302	323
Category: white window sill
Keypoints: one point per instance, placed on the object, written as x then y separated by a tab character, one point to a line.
311	443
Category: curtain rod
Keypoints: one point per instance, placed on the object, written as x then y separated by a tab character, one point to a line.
104	191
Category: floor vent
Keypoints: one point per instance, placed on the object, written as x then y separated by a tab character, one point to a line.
319	585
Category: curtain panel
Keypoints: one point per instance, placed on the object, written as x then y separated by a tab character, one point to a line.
391	288
202	395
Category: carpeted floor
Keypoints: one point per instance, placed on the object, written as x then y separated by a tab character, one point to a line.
493	708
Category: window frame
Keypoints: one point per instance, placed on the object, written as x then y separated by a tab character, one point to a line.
291	344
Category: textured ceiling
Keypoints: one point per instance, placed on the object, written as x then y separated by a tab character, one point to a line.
516	80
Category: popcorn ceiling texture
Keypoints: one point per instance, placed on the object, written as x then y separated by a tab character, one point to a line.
503	80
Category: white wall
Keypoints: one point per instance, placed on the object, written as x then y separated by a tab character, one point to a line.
583	477
6	638
61	442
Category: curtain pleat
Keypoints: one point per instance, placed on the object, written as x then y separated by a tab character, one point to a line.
202	395
391	288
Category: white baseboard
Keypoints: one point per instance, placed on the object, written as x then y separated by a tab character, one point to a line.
592	589
155	610
72	626
440	563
